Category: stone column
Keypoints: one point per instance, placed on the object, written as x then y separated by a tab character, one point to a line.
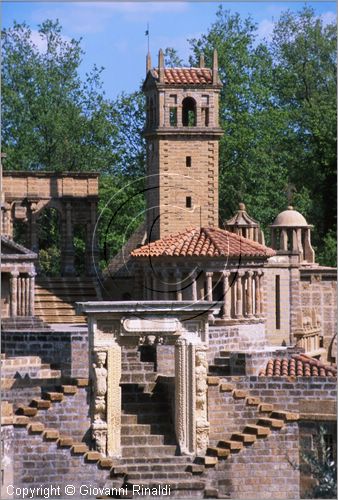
18	295
249	305
185	396
261	293
14	293
283	243
239	294
178	277
31	299
209	285
165	285
226	296
194	288
257	295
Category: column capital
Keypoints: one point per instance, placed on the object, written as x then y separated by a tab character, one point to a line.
32	274
249	272
226	274
14	273
209	274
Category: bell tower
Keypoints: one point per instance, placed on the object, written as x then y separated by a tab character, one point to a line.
182	133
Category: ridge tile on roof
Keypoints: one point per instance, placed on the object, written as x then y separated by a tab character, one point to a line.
189	76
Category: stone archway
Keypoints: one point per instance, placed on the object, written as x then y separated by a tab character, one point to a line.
115	324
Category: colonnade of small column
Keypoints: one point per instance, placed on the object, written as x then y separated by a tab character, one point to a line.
242	290
22	294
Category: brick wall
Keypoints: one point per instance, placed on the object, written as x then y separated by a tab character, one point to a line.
69	350
267	469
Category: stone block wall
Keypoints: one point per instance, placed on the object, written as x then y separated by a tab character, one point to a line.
240	338
68	350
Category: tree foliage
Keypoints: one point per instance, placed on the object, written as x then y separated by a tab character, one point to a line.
277	110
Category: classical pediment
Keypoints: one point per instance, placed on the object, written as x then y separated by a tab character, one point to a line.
10	249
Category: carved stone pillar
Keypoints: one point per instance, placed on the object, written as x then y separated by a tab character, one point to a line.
239	295
18	295
185	396
226	296
249	304
209	285
178	278
202	424
114	401
14	293
31	298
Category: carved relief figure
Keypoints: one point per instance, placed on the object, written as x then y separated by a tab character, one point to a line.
100	385
201	372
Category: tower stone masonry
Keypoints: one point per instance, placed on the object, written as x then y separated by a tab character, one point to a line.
182	134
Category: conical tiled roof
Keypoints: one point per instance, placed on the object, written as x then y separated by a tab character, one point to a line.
203	242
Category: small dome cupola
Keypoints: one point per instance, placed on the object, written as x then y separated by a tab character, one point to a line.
291	233
242	224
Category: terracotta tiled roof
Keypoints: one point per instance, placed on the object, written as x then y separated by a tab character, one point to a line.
298	365
203	242
186	75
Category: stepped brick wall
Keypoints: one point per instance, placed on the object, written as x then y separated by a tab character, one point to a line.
69	350
240	338
267	469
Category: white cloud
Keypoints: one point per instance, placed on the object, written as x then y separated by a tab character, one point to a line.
93	17
265	29
40	41
328	18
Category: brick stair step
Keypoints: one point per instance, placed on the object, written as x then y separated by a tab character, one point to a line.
54	396
174	485
225	354
259	430
135	430
28	411
41	404
51	434
142	440
82	382
265	408
216	451
65	442
106	463
69	389
274	423
286	415
79	449
128	419
36	428
147	451
196	468
230	445
252	401
20	421
224	387
210	460
243	437
239	394
154	460
211	380
93	456
131	476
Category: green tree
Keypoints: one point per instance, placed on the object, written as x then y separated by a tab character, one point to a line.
305	87
252	163
51	120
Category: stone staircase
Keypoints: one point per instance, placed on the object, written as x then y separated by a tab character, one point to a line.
21	367
149	451
55	298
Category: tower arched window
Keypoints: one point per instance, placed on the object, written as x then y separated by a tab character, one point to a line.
189	112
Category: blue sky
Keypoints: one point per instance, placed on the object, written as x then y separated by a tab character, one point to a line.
113	33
